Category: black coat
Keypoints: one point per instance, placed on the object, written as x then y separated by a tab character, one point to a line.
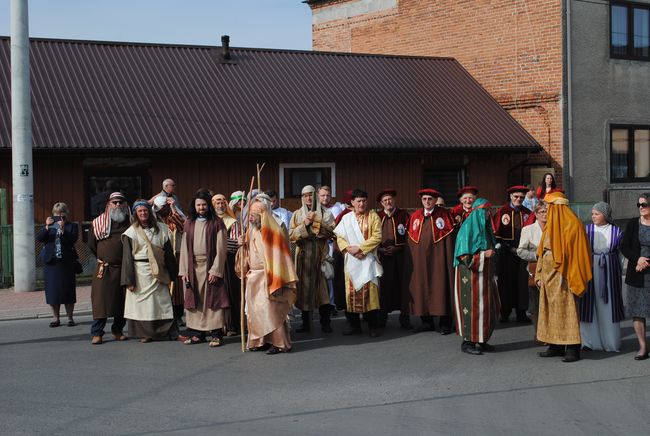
68	239
631	249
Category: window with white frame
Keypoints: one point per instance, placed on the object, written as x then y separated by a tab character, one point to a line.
293	176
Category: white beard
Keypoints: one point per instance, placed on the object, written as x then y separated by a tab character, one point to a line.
118	215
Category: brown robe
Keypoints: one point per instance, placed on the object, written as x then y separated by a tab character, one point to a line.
107	294
393	284
204	317
432	275
512	272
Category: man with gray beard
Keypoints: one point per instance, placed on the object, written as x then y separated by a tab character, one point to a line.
107	293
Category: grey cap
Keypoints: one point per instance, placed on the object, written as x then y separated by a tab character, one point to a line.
605	209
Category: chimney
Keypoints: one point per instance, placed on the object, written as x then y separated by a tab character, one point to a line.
225	47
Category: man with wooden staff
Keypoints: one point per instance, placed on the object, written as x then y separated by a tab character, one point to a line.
270	281
311	227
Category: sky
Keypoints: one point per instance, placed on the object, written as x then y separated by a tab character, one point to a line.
250	23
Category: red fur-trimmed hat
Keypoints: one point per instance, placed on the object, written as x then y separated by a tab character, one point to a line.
517	188
387	191
467	190
429	191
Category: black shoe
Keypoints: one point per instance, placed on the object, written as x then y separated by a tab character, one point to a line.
274	350
261	348
484	346
445	331
586	349
641	356
552	351
470	348
572	354
326	328
351	331
523	320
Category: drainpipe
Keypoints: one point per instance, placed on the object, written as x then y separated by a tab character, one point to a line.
569	78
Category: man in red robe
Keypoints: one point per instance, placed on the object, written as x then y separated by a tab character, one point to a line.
513	277
393	289
431	248
466	197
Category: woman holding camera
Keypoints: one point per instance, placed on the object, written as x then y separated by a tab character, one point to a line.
59	256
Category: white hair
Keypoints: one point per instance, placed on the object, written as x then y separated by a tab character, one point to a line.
167	182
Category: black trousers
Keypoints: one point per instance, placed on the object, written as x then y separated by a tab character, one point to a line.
372	318
97	329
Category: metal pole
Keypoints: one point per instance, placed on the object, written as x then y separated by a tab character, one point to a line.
21	150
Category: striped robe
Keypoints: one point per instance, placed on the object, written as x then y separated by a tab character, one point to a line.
608	267
476	299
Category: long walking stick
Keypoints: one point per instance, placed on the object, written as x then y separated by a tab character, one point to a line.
243	277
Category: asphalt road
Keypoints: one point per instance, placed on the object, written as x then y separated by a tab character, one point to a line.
54	381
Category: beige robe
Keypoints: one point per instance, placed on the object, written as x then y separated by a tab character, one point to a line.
150	300
202	318
558	321
266	315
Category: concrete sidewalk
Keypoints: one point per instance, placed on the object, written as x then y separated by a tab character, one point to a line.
26	305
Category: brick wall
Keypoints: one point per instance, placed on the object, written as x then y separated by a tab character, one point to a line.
512	47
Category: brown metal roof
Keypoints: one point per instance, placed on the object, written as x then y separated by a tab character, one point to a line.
105	95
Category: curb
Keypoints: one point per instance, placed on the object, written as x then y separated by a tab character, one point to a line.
40	315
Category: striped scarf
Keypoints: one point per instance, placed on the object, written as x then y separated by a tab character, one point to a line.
280	270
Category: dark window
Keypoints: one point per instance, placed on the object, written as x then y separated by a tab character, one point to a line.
447	182
296	178
630	31
106	175
630	153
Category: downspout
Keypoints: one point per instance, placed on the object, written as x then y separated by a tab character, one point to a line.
569	78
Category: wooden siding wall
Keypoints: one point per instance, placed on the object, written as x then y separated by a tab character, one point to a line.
60	177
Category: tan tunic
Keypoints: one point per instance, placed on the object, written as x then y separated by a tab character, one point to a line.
202	318
311	249
266	315
558	321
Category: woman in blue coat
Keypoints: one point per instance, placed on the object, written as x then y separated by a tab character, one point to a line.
59	255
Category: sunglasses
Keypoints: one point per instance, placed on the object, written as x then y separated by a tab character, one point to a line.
117	202
643	205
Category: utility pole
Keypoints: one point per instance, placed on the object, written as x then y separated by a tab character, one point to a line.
21	150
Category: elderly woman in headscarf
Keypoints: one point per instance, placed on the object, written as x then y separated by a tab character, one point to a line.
563	271
601	307
311	228
476	299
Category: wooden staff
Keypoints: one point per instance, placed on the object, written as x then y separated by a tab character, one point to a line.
243	276
259	171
